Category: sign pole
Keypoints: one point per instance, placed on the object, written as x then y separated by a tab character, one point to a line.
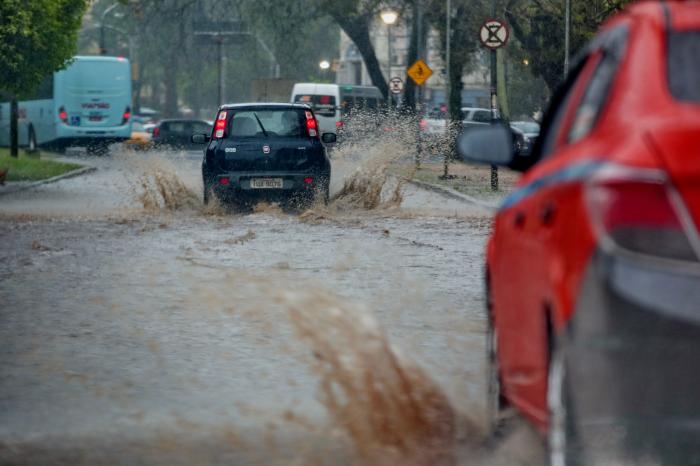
448	87
494	35
494	113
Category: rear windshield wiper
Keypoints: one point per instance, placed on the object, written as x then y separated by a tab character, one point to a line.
260	123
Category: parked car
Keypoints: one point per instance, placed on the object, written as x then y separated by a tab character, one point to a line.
266	152
475	115
530	131
593	265
140	137
176	133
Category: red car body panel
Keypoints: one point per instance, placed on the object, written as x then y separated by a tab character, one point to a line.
543	237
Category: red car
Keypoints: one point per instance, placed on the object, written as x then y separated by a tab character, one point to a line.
593	271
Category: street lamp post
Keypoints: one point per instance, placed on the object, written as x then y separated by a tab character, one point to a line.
103	50
389	17
325	66
567	32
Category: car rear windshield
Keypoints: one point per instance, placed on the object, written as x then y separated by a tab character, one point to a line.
683	65
323	105
268	123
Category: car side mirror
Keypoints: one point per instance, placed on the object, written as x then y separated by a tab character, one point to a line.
199	138
489	144
329	138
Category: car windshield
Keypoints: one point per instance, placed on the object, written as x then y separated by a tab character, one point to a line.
268	123
683	66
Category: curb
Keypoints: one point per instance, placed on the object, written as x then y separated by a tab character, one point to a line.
454	194
71	174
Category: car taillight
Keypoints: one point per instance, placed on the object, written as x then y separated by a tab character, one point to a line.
423	125
311	124
339	124
126	115
220	125
62	114
156	131
640	211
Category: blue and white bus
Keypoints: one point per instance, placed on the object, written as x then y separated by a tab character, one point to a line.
87	104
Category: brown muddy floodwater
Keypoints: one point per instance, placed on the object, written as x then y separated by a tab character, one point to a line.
140	327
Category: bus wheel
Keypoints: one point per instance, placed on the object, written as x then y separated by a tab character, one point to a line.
98	148
31	145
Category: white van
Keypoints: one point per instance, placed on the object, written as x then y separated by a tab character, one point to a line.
332	102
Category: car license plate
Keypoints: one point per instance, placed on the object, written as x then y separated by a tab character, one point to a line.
266	183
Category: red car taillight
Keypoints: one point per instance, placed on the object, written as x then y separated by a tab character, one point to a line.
62	114
156	131
640	211
423	125
126	115
220	125
311	124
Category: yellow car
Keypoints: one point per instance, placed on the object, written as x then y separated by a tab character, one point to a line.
140	137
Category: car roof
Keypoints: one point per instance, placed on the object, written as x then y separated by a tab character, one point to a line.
272	105
183	120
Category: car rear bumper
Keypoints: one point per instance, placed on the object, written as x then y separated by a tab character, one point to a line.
239	184
632	355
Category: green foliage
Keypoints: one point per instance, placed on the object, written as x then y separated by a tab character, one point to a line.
37	37
539	26
178	69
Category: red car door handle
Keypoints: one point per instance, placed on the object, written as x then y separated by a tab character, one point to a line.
547	213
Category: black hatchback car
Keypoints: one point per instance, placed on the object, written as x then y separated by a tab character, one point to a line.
177	133
268	152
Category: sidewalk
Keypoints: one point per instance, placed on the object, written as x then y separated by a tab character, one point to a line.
16	186
469	183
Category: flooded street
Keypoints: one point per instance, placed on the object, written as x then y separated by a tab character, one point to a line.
139	326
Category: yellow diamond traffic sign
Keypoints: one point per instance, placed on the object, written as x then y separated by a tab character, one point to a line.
419	72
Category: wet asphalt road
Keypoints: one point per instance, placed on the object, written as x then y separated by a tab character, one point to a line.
175	334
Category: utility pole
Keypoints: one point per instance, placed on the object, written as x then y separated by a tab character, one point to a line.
103	49
220	68
448	88
419	89
494	100
567	32
218	33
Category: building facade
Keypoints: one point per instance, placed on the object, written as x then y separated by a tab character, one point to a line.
351	68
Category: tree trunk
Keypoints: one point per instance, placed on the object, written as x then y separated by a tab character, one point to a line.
14	121
170	82
358	31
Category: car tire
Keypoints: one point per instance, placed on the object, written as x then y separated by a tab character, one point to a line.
562	443
206	193
31	141
493	380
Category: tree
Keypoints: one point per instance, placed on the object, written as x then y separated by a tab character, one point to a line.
539	26
464	30
356	17
36	39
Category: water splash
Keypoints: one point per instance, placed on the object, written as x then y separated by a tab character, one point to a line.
389	408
